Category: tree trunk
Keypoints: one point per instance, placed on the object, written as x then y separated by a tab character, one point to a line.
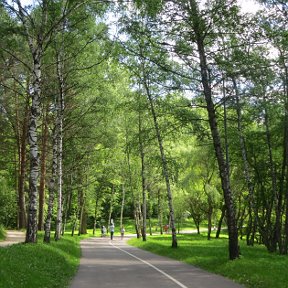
209	196
69	199
43	174
164	165
150	226
66	210
209	215
22	173
265	226
285	244
274	199
197	226
75	220
160	212
122	205
223	213
31	232
81	203
143	179
51	188
138	220
252	221
83	223
223	167
226	130
135	204
60	116
285	161
59	196
110	219
241	215
35	43
95	213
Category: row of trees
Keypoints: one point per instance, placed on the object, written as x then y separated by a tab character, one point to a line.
177	108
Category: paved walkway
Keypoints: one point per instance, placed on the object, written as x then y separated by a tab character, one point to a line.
13	237
106	263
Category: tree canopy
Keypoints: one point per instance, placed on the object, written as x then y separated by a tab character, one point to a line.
145	109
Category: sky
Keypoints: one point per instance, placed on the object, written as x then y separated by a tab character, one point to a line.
249	6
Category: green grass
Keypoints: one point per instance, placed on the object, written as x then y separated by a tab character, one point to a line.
40	265
256	267
129	224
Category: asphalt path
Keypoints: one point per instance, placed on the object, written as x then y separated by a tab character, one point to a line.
13	237
106	263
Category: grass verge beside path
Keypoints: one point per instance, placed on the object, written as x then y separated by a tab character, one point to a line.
256	268
40	265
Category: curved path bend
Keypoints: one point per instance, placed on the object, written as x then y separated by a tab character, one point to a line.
106	263
13	237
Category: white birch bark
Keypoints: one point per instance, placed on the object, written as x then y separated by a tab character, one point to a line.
60	114
252	222
51	189
35	43
197	26
122	205
110	219
164	165
31	233
60	172
143	180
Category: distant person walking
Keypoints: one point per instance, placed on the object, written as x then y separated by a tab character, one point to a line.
122	231
112	227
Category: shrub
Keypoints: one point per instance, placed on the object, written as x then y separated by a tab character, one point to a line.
2	232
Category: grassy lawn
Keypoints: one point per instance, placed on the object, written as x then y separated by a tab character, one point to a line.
256	268
40	265
129	224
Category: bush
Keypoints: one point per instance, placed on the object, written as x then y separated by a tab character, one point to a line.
8	205
2	232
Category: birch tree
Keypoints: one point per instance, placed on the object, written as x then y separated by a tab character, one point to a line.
60	116
145	73
36	41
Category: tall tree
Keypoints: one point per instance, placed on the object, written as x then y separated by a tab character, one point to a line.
15	102
36	40
60	54
143	176
196	36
